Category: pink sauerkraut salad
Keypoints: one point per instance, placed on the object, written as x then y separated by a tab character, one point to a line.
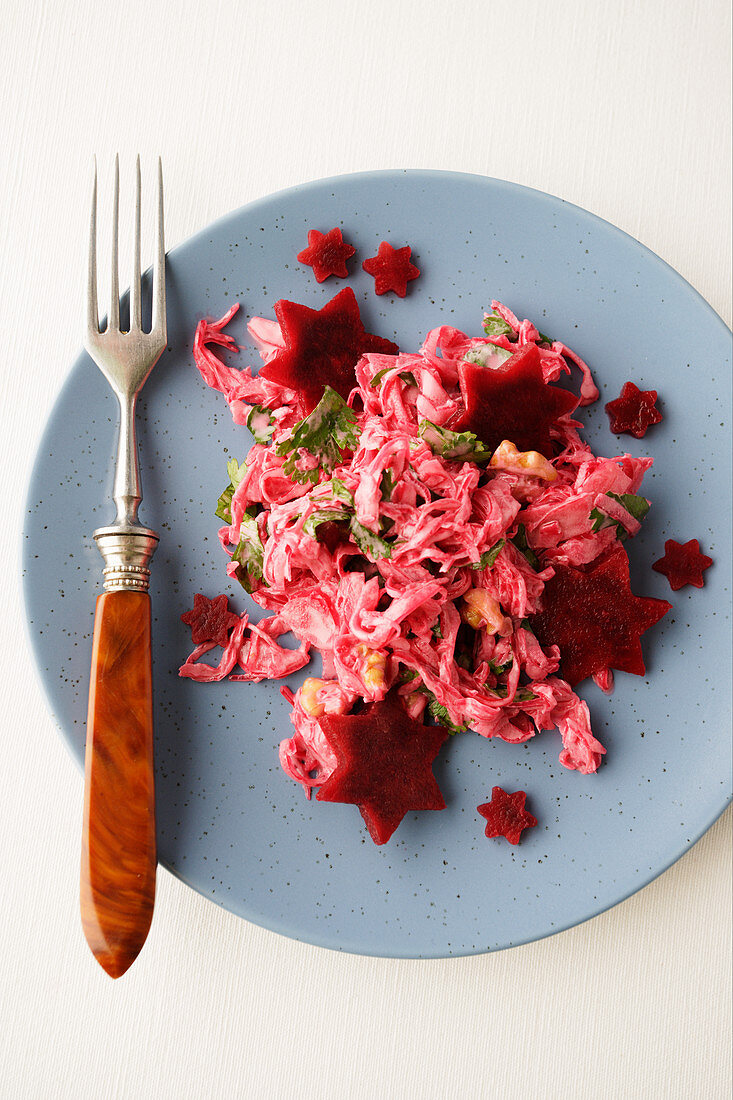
404	553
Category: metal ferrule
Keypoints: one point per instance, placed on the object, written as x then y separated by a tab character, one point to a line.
127	552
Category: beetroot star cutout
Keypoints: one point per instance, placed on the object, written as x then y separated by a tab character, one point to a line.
512	402
683	564
322	347
594	617
210	620
384	765
327	254
634	411
506	816
391	269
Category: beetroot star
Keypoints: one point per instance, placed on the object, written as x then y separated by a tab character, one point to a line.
634	411
327	254
683	564
384	765
512	402
506	816
594	617
391	269
322	347
210	620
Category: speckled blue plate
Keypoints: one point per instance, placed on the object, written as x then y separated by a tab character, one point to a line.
230	823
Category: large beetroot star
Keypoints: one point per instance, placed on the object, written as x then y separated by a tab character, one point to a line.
384	765
513	402
595	619
322	347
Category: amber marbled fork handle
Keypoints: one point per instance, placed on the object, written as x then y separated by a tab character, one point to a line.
118	845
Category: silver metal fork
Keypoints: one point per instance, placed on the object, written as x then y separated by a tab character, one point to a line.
118	842
126	359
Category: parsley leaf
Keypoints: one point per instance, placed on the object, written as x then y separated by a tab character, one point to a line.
461	446
494	325
327	431
250	552
520	541
488	557
498	669
333	491
482	352
224	504
635	505
441	715
386	485
405	375
261	423
371	545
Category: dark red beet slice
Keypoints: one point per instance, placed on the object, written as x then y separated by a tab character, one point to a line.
322	347
683	564
506	816
384	765
634	411
391	268
327	254
594	617
210	620
513	402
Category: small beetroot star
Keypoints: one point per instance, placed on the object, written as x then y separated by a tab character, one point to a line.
391	268
683	564
634	411
210	620
506	816
327	254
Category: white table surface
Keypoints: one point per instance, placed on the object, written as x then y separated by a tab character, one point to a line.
620	106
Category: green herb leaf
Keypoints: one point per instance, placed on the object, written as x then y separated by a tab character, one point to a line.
405	375
545	339
370	544
524	695
635	505
488	557
520	541
224	504
261	423
499	670
327	431
407	675
250	552
436	630
441	715
483	352
461	446
494	325
324	515
386	485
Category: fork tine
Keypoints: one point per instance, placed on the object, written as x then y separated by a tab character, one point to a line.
92	311
135	298
159	318
114	301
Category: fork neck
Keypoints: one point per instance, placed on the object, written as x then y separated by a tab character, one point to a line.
127	492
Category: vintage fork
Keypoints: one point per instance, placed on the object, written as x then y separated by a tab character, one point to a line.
118	842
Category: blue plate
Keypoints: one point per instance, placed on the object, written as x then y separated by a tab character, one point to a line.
230	823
